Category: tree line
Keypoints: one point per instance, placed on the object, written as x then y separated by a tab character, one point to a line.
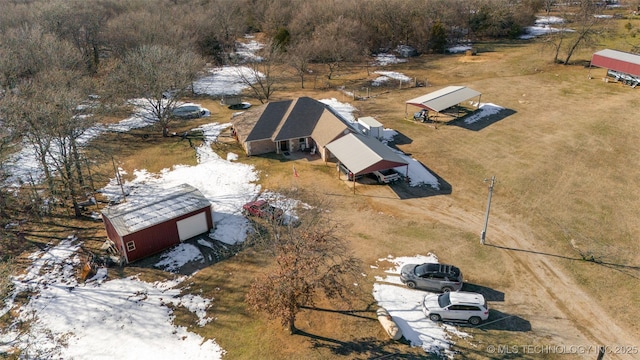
54	54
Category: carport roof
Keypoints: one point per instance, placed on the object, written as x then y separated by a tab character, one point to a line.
444	98
617	60
362	155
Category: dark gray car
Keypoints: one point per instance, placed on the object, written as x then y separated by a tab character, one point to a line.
189	111
432	276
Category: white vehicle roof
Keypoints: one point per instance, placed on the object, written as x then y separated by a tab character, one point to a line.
462	297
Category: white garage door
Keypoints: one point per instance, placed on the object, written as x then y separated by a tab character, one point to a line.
192	226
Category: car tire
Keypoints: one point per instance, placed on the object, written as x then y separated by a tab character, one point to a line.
474	320
411	285
435	317
446	289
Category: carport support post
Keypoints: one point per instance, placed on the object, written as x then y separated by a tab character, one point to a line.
486	216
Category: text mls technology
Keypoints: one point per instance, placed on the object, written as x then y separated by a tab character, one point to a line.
562	349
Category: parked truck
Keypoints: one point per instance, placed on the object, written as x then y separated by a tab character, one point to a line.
386	176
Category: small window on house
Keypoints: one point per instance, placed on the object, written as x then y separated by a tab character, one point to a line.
301	140
131	246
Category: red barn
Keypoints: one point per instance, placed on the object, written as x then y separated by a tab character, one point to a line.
145	227
624	66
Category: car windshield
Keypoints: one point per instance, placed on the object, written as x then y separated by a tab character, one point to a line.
420	270
443	300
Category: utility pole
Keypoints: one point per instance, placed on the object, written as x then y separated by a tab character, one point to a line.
486	215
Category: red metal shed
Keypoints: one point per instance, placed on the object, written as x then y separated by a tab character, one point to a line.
140	228
618	61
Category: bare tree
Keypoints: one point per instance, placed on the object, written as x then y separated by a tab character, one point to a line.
548	5
45	111
29	50
588	27
152	26
333	45
158	74
310	260
81	23
581	27
258	73
37	95
298	57
268	16
7	141
223	22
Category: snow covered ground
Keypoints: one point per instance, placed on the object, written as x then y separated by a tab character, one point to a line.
405	306
544	25
132	319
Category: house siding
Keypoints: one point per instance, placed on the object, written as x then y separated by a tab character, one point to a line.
260	147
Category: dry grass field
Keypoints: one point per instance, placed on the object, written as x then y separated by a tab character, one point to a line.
565	163
562	240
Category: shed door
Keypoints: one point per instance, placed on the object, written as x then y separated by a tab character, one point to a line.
192	226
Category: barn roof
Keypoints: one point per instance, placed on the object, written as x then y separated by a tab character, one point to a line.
617	60
444	98
362	155
161	206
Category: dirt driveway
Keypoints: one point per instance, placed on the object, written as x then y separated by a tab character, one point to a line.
555	310
559	311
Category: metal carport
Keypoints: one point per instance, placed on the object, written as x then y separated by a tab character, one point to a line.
362	155
443	99
618	61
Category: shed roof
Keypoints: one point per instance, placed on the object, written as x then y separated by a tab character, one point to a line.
617	60
369	121
444	98
163	205
362	155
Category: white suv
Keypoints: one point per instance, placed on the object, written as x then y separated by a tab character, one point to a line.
459	305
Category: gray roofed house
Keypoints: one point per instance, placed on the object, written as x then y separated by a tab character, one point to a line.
294	125
289	125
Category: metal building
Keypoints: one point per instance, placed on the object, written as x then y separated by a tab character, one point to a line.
144	227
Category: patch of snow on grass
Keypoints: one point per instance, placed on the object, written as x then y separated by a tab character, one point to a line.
225	80
176	257
405	306
69	320
388	59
